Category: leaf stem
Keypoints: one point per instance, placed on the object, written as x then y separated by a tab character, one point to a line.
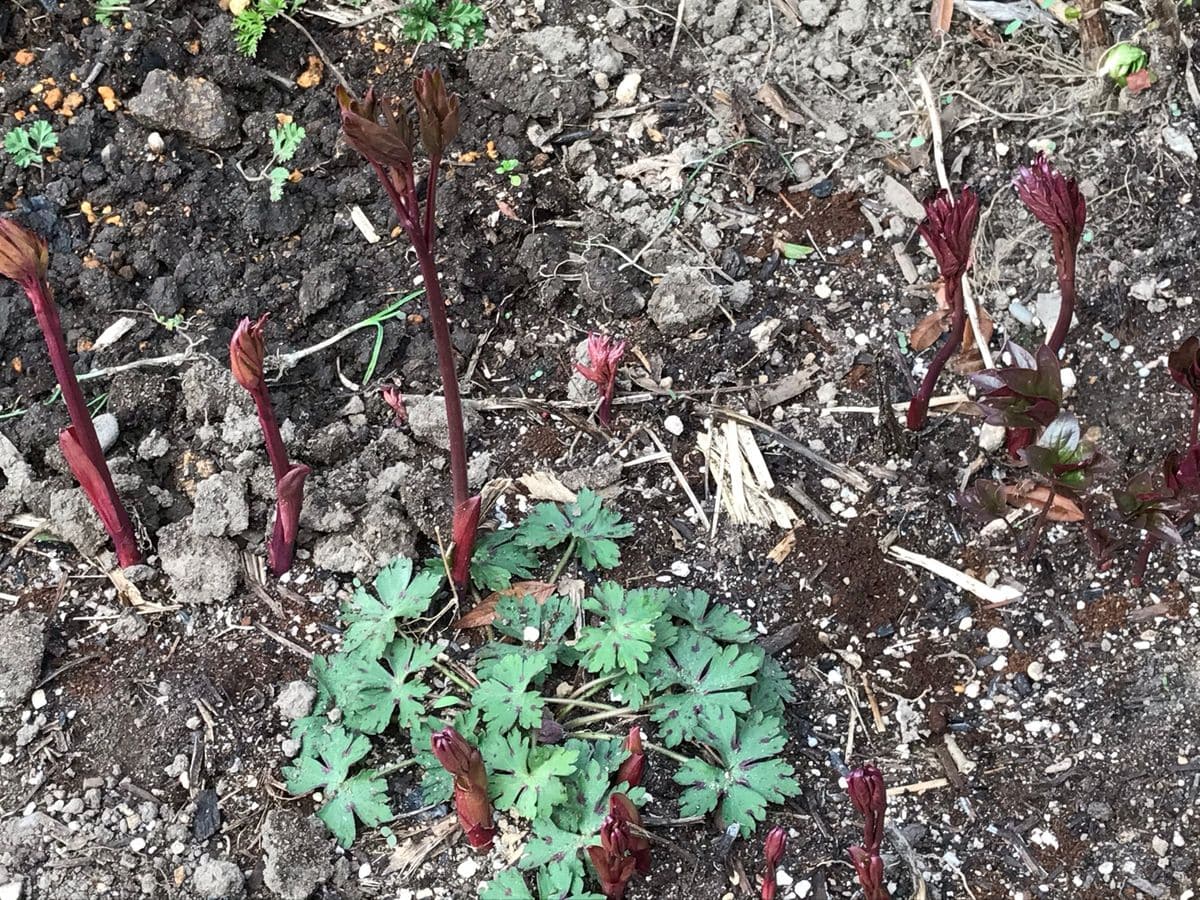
569	703
625	712
562	563
395	767
663	751
452	676
590	687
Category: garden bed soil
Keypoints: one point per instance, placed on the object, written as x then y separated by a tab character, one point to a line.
1043	748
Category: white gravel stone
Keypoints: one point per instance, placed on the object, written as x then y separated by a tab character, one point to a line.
674	425
1036	670
998	638
467	868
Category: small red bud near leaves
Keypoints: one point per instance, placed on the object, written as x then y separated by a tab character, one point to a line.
604	353
868	793
633	769
24	257
623	851
773	849
465	765
388	144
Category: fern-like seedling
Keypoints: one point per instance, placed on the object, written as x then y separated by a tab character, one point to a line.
26	144
591	527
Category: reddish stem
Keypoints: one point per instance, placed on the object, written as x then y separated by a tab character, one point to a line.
84	430
918	408
1195	418
1064	257
276	452
1143	559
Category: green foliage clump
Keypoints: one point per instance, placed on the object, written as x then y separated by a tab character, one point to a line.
250	25
457	22
26	143
285	141
687	663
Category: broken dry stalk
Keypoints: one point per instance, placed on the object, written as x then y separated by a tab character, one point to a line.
246	351
388	147
25	260
948	229
465	764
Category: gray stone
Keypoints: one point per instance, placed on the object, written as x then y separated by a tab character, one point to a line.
1049	305
218	879
153	446
556	44
202	569
295	700
207	390
383	534
603	58
22	643
129	626
76	521
682	301
813	13
220	505
600	474
107	430
427	421
192	107
18	478
241	427
297	854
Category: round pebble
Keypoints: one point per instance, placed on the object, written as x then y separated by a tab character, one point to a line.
998	638
467	868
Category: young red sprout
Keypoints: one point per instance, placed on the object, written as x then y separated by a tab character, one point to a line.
25	259
633	769
623	851
869	796
246	352
388	147
395	401
1184	365
471	801
948	229
603	353
772	856
1057	203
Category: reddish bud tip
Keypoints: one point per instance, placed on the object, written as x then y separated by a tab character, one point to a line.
386	144
773	849
604	354
1054	199
471	801
633	769
246	352
949	228
23	254
393	397
869	796
437	111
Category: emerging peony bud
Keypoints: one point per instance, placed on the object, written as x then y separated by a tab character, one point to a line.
395	399
633	769
437	112
604	353
948	229
869	796
471	801
389	144
23	254
772	856
869	868
622	851
1054	199
246	352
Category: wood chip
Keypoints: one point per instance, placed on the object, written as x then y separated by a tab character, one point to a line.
1001	593
360	220
546	486
484	612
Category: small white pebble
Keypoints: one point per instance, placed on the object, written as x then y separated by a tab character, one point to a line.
530	634
138	844
823	291
680	569
674	425
467	868
803	888
998	638
1036	671
38	700
364	871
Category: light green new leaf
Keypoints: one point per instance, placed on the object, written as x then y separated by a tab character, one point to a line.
527	780
371	618
593	527
369	693
499	559
712	682
325	765
625	635
504	697
714	619
773	689
363	797
750	777
509	884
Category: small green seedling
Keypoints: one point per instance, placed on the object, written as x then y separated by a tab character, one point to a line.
508	167
1122	60
105	11
794	251
459	23
285	141
250	24
25	144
